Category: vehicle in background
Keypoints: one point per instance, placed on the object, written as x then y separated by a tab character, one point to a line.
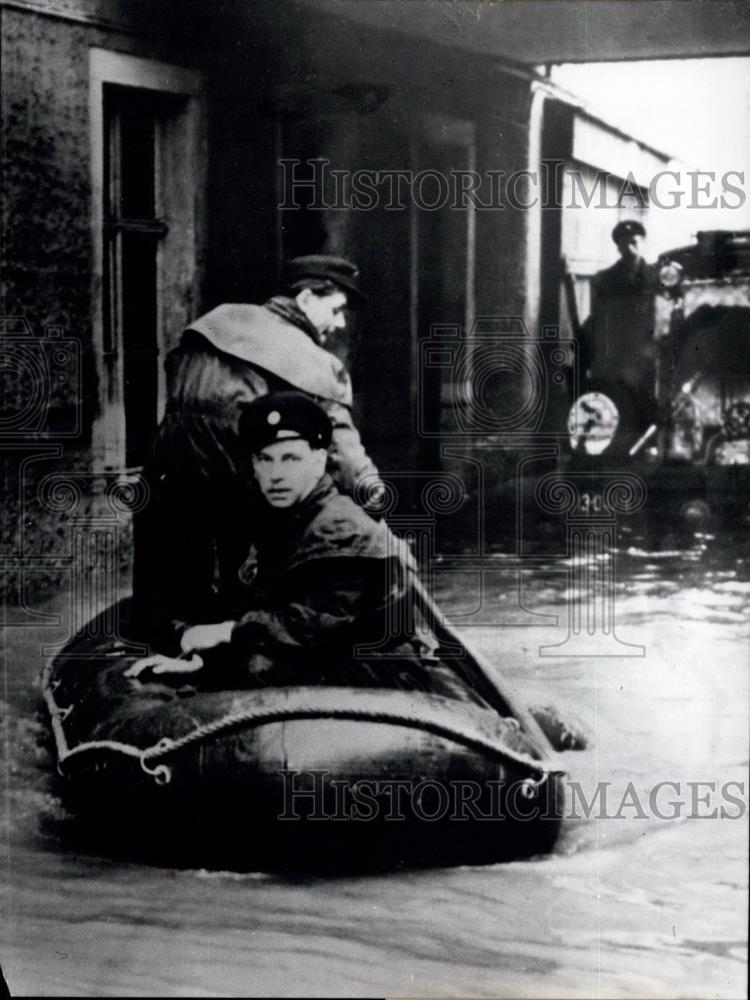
664	448
690	440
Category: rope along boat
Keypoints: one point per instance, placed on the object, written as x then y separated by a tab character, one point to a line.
319	775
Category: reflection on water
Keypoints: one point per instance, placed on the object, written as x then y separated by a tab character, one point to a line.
626	906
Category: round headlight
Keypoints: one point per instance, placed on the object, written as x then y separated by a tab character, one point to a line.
670	275
592	423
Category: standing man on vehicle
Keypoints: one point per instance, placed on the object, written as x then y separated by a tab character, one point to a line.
198	515
618	353
621	324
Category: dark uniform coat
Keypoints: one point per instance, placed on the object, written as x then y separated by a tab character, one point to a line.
328	601
620	328
197	524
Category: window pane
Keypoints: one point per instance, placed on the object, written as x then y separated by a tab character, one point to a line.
131	120
140	353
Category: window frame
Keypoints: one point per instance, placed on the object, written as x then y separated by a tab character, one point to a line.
106	67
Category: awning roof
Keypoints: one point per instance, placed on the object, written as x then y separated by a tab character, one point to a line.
553	31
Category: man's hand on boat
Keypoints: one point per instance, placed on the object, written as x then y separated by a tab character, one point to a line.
158	664
205	636
195	638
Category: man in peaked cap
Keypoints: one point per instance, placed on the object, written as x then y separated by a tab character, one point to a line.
322	577
288	435
620	326
284	416
198	475
301	273
625	230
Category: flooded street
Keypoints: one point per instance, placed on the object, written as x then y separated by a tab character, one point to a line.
629	904
332	326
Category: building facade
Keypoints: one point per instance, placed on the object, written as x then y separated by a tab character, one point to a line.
159	159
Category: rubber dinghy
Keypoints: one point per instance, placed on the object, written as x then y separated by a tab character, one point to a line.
311	777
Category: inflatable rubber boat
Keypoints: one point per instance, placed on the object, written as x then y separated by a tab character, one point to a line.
306	776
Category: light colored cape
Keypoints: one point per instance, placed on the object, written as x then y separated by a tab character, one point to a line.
260	337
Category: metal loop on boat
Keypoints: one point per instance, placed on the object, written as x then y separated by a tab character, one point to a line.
530	788
162	774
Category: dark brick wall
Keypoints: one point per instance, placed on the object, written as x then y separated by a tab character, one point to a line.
46	282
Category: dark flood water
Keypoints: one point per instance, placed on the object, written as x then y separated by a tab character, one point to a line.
627	905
